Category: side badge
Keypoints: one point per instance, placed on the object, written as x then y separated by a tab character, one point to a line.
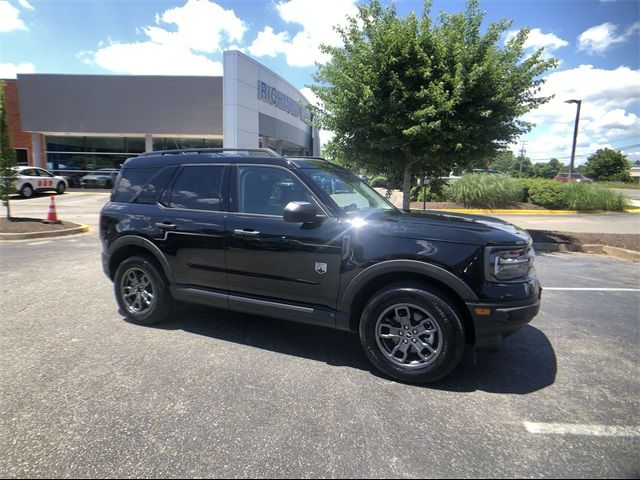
321	268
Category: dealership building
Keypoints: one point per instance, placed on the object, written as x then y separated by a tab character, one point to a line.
84	122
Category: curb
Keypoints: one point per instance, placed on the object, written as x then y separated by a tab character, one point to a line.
52	233
528	212
597	249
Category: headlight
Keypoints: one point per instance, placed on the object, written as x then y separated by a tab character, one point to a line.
510	264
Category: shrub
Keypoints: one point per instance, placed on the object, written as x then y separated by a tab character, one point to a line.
573	196
379	182
547	193
436	191
487	191
580	196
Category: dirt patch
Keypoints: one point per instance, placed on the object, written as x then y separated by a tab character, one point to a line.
627	241
32	225
452	205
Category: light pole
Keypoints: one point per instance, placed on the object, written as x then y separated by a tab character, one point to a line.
575	135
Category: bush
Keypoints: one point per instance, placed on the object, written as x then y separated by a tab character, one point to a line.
436	191
580	196
547	193
486	191
379	182
572	196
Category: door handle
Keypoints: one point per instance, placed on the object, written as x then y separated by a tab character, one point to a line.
251	233
166	226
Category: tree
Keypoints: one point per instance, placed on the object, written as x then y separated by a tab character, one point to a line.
413	95
505	162
608	165
7	156
545	170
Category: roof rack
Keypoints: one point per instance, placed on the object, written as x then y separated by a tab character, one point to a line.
249	152
305	157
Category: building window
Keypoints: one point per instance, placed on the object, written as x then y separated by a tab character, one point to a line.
22	156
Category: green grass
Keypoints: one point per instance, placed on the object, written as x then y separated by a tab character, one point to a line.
485	191
585	197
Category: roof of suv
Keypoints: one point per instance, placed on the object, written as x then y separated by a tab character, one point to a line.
261	156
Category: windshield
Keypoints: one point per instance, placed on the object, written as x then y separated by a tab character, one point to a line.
349	192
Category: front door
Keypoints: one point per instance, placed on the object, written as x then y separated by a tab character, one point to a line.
268	257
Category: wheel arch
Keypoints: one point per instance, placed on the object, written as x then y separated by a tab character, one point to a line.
374	278
129	245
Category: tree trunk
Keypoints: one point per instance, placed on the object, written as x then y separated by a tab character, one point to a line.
406	187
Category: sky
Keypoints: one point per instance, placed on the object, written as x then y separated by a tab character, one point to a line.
597	43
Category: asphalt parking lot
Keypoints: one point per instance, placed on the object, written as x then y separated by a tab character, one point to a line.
211	393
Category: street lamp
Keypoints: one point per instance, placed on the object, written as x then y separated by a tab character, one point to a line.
575	135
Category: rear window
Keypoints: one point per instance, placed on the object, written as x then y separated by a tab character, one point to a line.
142	185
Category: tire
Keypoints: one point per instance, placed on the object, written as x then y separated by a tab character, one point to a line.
142	291
108	184
61	188
425	352
26	191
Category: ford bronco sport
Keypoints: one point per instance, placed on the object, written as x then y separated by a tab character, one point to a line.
305	240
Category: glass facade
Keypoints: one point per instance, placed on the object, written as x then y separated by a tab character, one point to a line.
77	157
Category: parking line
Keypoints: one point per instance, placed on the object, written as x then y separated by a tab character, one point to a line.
588	430
38	243
579	289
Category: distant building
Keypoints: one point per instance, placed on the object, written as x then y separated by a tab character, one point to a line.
84	122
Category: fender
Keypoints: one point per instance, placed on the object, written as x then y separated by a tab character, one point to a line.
410	266
134	240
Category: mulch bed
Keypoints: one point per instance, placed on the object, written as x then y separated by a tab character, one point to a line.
29	225
621	240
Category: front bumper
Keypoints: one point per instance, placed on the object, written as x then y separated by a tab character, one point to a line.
502	320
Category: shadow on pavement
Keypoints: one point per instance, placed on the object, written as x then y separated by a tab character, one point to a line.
526	363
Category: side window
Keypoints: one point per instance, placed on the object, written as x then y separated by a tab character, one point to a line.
29	172
198	188
267	190
43	173
131	182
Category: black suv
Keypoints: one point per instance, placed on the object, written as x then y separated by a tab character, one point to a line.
305	240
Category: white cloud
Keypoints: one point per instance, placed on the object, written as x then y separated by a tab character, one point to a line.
316	20
150	58
10	18
608	96
600	38
9	70
25	4
177	43
537	39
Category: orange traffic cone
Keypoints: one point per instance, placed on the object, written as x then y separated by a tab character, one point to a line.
52	217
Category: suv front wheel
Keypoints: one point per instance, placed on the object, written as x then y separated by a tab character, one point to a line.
412	332
142	291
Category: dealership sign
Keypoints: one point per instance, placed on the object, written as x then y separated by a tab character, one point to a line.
275	97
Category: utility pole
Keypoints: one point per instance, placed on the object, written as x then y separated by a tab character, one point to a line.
522	153
575	135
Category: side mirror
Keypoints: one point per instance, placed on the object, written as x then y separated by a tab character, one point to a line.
300	212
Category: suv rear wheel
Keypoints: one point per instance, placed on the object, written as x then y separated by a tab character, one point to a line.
142	291
412	332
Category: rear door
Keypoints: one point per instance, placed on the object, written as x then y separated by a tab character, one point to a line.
191	223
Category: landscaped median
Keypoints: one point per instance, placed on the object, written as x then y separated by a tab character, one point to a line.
502	194
19	228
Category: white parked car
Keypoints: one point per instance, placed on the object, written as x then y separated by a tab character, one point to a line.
33	179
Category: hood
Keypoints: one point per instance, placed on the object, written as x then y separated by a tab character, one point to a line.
449	227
